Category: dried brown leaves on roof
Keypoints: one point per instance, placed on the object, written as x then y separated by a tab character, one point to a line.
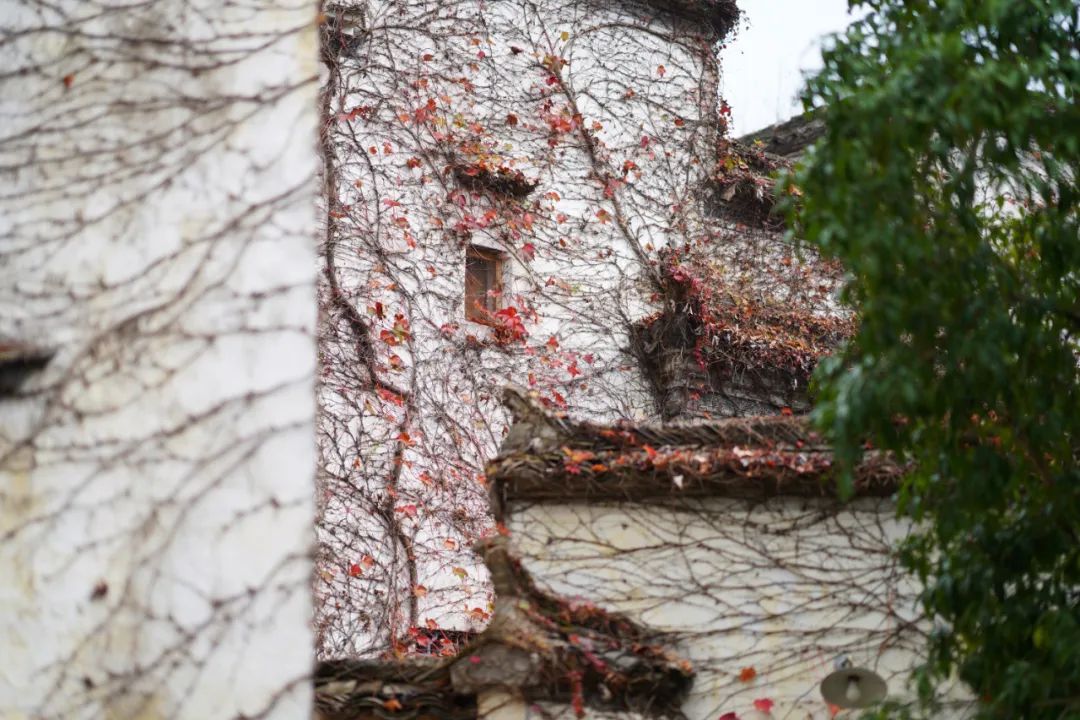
382	690
502	180
590	656
721	15
548	647
754	457
745	178
737	327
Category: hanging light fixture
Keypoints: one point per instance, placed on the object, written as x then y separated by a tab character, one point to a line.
852	687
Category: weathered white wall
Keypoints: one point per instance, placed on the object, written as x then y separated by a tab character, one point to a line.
157	164
783	587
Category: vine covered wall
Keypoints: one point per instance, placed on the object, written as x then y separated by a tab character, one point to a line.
585	144
569	137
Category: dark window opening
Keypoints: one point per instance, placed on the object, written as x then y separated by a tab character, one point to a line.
483	284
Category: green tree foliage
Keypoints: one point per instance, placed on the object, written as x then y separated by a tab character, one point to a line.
947	185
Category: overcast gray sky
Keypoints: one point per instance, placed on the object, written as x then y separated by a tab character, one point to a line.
764	64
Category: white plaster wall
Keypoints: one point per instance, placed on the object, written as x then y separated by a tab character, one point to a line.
156	219
783	587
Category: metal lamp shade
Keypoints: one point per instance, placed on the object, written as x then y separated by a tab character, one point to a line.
872	688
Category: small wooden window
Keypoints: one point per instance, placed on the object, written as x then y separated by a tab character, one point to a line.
483	283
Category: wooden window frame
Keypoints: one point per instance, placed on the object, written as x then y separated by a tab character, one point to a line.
494	302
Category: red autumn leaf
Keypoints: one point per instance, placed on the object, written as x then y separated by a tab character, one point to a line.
834	710
408	510
392	704
388	337
355	571
528	250
553	343
661	70
515	50
420	591
650	451
368	561
390	397
747	674
786	412
764	704
413	162
428	57
729	716
69	80
511	119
